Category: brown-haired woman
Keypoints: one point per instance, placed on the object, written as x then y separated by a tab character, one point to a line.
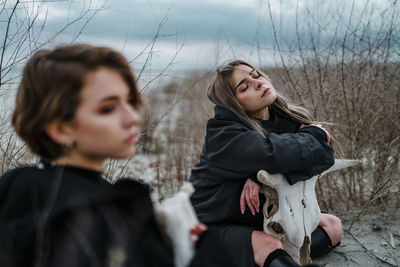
254	128
76	107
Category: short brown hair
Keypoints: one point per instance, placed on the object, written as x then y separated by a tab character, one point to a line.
50	90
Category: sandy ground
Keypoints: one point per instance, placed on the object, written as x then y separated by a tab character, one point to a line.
368	242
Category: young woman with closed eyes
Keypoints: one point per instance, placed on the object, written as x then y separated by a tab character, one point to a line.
254	128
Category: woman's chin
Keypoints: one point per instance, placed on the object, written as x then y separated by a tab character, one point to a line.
125	154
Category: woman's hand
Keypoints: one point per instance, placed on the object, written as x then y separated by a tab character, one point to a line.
328	139
197	230
250	196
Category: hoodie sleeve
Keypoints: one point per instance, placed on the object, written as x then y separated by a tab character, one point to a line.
235	151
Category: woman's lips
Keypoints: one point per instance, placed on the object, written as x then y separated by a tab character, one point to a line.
132	139
265	92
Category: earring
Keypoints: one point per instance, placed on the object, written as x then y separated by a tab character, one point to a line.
67	147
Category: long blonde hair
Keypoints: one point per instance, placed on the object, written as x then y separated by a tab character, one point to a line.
222	93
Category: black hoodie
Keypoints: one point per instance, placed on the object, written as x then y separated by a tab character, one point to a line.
68	216
233	152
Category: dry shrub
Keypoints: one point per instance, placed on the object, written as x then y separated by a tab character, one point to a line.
362	101
181	132
361	98
172	133
343	65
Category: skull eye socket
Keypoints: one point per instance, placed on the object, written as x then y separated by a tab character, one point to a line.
271	210
276	227
271	204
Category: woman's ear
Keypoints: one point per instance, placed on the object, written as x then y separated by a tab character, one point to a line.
60	132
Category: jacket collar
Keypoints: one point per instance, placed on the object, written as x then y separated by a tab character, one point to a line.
225	114
222	113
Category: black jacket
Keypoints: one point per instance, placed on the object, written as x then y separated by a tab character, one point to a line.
67	216
233	152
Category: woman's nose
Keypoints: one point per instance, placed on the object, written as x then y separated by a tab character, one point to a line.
257	84
131	116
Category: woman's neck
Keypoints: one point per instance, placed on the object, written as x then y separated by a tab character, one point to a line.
77	160
262	114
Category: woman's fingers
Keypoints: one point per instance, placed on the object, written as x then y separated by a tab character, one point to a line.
198	229
242	201
254	197
257	200
250	197
248	201
328	136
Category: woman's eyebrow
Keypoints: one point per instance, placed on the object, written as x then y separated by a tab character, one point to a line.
110	98
242	81
115	97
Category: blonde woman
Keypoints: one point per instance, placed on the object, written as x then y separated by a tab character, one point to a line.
255	128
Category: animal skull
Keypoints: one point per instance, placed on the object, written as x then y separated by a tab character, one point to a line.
291	212
177	217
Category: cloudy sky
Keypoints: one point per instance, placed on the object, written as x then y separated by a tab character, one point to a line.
194	34
200	33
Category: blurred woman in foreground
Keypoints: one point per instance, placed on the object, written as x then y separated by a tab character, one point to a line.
76	107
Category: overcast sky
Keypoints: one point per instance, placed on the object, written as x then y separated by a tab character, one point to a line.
201	33
205	32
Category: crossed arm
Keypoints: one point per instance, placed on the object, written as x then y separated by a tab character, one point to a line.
251	189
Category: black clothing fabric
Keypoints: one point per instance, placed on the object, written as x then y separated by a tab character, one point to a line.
237	240
233	152
211	251
67	216
321	244
280	258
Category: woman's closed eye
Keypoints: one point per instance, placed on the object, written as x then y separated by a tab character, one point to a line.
244	87
256	75
106	109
